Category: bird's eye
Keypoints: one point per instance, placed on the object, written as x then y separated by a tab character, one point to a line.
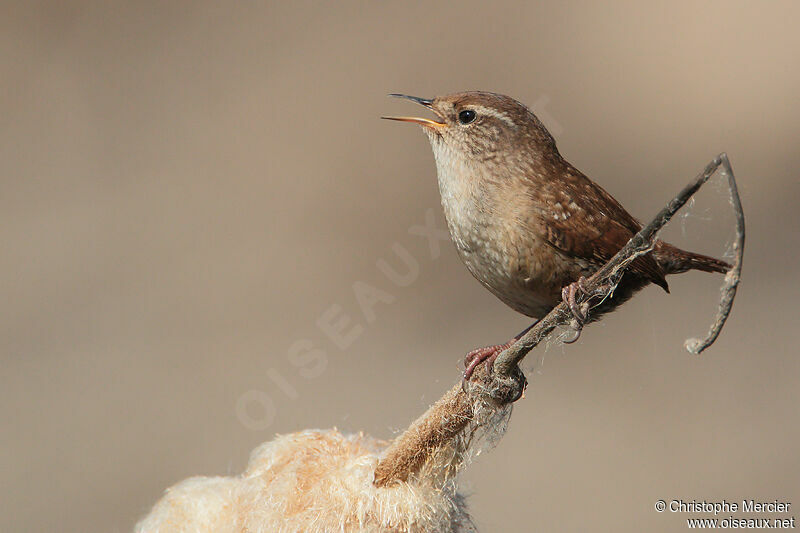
466	116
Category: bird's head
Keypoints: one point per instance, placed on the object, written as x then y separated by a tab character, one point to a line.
481	126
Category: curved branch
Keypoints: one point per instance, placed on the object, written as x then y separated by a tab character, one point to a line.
603	282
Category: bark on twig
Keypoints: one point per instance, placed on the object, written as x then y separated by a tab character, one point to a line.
454	413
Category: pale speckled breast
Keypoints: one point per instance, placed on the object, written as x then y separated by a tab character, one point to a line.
518	268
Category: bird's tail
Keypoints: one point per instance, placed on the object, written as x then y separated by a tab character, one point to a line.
673	260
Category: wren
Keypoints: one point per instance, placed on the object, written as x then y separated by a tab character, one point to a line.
527	224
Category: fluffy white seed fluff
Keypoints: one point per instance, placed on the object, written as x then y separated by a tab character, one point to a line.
311	481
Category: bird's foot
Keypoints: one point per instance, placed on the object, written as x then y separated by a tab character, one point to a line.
580	313
476	357
487	353
569	295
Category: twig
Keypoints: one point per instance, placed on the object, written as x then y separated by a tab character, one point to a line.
454	412
733	276
602	282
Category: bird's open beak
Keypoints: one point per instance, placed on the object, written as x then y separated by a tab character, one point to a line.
418	120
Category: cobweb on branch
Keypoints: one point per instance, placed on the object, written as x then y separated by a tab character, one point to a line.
706	219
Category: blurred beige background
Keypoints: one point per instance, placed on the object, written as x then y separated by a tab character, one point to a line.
186	188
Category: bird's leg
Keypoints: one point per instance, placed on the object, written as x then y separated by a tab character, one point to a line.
580	313
488	353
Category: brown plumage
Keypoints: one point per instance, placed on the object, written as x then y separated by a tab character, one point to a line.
525	222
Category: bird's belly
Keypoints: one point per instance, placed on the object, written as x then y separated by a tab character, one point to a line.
524	279
516	265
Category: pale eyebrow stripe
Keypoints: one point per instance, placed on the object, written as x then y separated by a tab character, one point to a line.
493	112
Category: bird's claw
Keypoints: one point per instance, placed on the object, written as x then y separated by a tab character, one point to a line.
478	356
580	312
569	293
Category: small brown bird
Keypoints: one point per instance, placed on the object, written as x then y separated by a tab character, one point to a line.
527	224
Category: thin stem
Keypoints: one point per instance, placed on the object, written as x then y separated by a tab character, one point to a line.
602	282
